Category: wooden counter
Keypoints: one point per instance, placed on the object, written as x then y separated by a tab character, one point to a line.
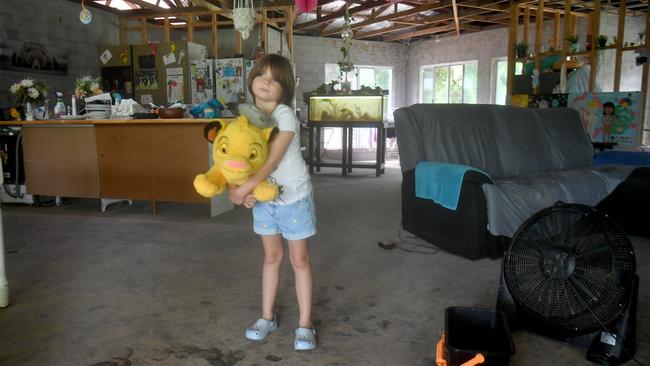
139	159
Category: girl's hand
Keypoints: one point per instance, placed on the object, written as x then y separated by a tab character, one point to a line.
236	196
249	200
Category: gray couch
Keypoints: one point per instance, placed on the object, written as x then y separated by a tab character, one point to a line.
531	158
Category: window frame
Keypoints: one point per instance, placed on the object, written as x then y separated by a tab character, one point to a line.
448	65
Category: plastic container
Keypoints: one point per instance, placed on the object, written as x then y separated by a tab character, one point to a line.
474	330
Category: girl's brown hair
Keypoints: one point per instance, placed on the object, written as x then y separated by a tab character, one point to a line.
282	73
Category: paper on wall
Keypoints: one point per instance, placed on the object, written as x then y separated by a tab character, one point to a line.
146	99
174	88
175	71
105	56
169	58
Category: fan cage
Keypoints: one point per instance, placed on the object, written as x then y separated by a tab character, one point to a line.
568	269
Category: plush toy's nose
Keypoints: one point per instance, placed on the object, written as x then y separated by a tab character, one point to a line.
235	164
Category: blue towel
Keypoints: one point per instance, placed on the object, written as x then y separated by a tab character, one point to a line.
440	182
619	157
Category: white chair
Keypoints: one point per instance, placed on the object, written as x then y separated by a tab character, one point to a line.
4	285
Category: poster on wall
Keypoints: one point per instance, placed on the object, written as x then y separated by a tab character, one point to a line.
548	101
146	80
610	117
174	88
32	57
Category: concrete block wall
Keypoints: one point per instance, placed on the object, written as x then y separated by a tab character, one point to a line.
55	23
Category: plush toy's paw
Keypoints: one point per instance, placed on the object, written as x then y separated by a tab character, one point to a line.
206	188
266	191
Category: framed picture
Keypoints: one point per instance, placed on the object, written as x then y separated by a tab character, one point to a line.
32	57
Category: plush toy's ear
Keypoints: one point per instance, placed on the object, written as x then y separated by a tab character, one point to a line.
211	130
269	133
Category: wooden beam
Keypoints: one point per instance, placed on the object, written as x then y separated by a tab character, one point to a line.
213	36
456	20
370	4
143	29
619	45
555	42
137	14
526	23
397	15
567	27
539	22
512	40
190	28
644	83
595	31
145	5
166	29
431	30
381	31
290	32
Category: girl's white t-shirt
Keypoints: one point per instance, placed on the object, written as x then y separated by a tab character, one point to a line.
291	174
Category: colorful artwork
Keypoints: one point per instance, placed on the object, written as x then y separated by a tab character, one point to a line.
520	100
548	101
146	80
610	117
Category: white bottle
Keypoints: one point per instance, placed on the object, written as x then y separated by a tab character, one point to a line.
59	107
74	105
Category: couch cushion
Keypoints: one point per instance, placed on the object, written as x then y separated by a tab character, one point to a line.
522	141
570	142
511	201
448	133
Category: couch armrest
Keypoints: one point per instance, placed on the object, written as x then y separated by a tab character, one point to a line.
463	231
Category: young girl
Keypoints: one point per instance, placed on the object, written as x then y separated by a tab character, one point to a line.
290	216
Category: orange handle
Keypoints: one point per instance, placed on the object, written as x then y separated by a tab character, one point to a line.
441	359
477	360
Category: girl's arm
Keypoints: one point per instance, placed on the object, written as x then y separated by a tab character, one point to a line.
278	147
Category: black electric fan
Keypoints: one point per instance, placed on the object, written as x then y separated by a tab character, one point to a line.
570	274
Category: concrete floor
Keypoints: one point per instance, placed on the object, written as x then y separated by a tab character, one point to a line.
128	288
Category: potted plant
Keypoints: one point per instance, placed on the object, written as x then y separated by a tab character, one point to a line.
602	41
573	43
521	49
28	92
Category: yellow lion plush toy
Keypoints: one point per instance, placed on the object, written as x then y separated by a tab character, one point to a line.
239	150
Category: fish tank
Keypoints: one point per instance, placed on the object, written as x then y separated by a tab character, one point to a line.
348	108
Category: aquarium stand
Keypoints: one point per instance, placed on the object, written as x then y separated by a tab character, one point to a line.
314	158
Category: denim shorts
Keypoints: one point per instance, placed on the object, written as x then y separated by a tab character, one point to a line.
294	221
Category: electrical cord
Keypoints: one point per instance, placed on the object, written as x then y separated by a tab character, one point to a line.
610	332
430	249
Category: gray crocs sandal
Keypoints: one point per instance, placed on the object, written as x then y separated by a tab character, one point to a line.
261	328
305	339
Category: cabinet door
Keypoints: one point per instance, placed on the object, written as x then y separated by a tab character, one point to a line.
123	156
179	153
60	161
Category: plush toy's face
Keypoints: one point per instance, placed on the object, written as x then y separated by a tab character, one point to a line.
240	149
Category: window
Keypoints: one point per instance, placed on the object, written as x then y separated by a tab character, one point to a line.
372	76
500	79
449	83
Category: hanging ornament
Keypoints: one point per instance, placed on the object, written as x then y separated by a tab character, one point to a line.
243	17
85	16
154	48
306	6
124	56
